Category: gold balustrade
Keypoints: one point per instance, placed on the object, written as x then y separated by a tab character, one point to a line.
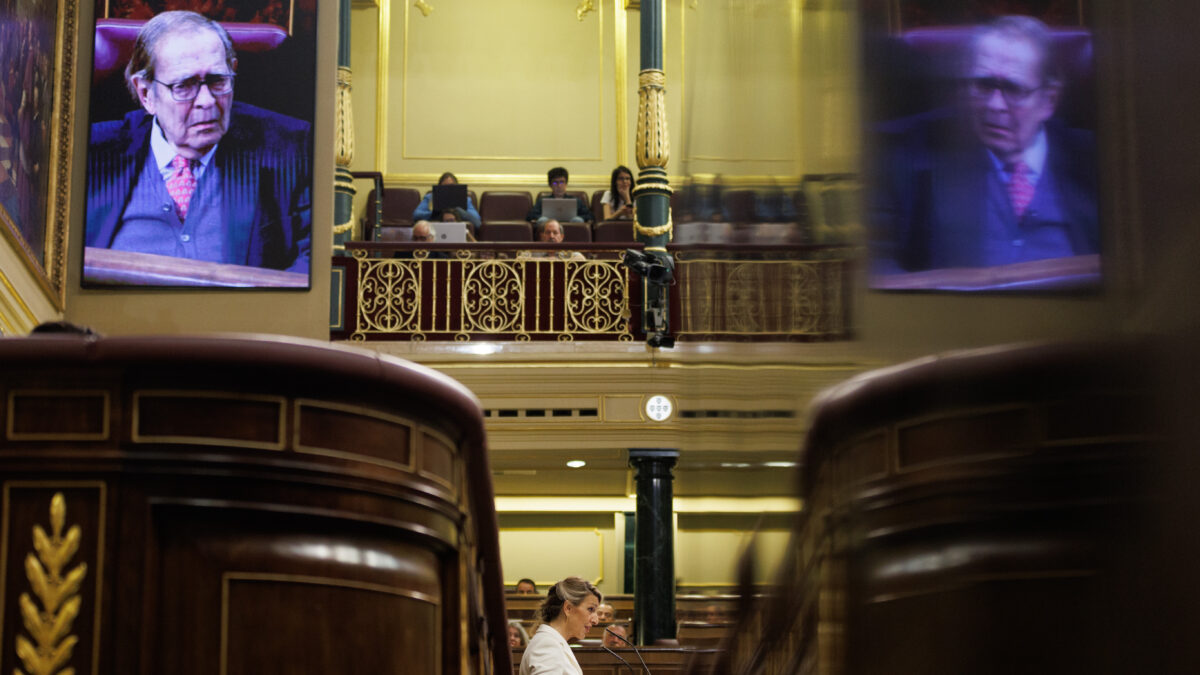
542	292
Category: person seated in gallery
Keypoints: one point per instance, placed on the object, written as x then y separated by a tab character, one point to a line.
610	636
550	232
605	613
526	587
517	637
423	231
558	179
617	202
425	210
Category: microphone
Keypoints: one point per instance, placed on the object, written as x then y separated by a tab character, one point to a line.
605	648
635	649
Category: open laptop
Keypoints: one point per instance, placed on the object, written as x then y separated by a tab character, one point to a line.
450	233
560	209
446	197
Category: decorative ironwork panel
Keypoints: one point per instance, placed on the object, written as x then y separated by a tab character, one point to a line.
473	295
755	299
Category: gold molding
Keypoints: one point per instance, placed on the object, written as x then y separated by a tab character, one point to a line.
584	6
425	7
383	51
50	272
17	304
345	118
281	427
653	144
621	82
59	595
227	577
11	434
381	104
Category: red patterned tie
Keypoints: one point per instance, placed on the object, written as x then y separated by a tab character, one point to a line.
1020	190
181	184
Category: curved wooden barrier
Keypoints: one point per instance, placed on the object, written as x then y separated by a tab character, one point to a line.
241	505
975	512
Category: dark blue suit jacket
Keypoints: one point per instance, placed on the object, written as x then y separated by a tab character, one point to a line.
929	193
265	162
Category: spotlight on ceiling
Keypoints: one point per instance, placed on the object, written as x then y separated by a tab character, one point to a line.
576	463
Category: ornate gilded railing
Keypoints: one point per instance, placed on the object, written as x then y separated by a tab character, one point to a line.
488	291
762	292
396	291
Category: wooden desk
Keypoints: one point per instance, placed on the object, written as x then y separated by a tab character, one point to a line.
660	660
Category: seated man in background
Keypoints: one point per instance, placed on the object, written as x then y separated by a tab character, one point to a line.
423	231
604	612
194	174
526	587
612	641
558	178
424	210
550	232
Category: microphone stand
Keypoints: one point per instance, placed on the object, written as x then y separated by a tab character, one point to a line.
605	648
635	650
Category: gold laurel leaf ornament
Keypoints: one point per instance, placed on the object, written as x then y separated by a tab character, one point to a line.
51	646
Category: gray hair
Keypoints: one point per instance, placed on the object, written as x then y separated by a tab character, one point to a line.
571	589
141	63
1025	28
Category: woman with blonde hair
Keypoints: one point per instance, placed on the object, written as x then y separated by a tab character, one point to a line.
567	613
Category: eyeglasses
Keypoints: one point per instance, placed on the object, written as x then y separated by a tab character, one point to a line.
559	181
189	89
1014	94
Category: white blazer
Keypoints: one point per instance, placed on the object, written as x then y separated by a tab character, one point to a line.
549	654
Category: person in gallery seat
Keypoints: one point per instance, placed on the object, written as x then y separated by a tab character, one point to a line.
995	179
567	613
558	179
612	641
617	201
526	587
550	232
193	173
424	210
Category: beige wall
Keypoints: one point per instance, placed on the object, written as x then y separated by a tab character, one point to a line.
547	546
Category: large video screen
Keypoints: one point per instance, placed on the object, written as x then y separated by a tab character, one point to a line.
981	170
199	159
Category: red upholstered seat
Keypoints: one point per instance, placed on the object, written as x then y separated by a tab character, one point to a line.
509	231
597	207
614	230
498	205
398	207
577	232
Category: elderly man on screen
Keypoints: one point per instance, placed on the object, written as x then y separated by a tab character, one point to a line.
194	174
997	181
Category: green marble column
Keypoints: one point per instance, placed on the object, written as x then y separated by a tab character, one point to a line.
343	183
652	194
654	550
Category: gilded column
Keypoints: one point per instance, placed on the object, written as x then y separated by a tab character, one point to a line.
343	183
652	195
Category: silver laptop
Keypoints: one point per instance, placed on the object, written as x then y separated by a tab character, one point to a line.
561	210
450	233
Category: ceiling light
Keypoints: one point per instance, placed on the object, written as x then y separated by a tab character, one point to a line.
780	465
734	465
576	463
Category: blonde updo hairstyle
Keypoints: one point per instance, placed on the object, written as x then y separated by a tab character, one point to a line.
571	589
